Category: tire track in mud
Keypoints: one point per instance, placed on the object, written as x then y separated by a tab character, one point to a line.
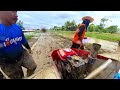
47	43
64	43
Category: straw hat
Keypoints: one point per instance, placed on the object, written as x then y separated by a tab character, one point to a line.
88	18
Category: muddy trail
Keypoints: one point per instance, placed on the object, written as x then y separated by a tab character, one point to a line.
44	47
46	43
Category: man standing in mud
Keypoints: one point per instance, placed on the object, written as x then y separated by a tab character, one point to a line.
80	32
12	55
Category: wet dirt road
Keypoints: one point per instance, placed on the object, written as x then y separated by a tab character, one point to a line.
42	50
48	42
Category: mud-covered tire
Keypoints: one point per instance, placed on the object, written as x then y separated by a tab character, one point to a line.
70	74
61	68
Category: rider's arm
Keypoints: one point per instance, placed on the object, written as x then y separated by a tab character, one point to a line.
24	42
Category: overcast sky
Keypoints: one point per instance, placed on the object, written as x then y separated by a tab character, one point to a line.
48	19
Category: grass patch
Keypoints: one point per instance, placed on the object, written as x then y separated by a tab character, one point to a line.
103	36
28	37
65	34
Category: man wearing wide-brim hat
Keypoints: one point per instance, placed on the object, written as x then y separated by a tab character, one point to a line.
80	32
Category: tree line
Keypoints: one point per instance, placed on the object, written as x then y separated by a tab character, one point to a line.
71	26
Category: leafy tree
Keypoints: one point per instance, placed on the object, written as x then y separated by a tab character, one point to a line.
20	23
63	27
55	27
104	30
70	25
112	29
98	28
91	27
103	20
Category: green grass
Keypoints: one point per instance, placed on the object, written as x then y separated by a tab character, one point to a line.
28	37
65	34
103	36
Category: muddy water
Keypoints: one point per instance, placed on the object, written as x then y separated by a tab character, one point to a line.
112	47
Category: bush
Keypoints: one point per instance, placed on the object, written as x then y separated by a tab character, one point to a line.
112	29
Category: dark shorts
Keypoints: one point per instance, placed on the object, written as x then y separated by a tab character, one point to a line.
14	70
77	46
74	45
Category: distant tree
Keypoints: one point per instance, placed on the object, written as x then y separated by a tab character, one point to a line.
112	29
104	30
70	25
91	28
20	23
55	26
63	27
103	20
98	28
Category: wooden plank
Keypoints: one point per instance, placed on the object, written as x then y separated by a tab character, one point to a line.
99	69
111	76
110	71
104	74
97	63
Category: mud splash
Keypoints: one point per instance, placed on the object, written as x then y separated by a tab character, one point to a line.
109	49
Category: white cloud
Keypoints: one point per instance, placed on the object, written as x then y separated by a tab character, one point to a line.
50	18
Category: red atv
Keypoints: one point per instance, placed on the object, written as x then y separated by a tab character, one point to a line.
75	63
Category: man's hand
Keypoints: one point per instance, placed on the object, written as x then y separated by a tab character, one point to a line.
30	51
85	37
82	47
